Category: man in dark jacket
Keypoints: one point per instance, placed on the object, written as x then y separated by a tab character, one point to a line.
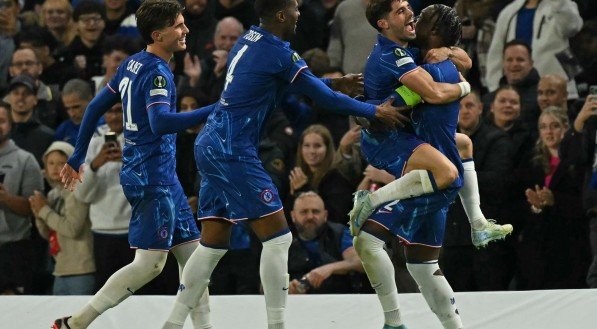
321	258
27	132
519	73
465	268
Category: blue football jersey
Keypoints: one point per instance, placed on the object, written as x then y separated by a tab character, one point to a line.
261	67
144	80
386	65
436	124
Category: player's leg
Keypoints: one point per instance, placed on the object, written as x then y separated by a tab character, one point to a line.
422	263
215	239
369	245
150	256
482	230
276	238
427	170
122	284
200	315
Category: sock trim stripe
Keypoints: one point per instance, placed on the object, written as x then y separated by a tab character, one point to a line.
467	160
432	180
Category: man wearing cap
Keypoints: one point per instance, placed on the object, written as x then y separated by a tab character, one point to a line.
19	177
49	109
27	132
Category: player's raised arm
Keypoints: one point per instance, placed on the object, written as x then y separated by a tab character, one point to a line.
100	104
315	89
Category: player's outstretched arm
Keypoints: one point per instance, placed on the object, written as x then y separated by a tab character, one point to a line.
315	89
162	121
421	82
99	105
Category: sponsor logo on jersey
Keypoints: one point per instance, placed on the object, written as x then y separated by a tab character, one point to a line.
159	81
296	57
267	196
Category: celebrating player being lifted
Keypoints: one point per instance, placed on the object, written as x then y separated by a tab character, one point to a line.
161	217
417	210
419	167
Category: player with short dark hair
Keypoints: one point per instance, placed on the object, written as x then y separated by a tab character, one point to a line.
235	186
161	220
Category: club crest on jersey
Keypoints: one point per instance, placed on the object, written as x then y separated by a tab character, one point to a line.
267	196
296	57
159	81
163	233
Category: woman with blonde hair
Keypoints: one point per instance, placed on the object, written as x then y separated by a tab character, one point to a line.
316	170
57	17
554	245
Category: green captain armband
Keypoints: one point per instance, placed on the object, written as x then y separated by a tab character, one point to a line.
410	97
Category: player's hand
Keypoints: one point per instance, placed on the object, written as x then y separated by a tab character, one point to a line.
350	84
437	55
70	176
378	175
390	115
297	179
318	275
36	202
350	137
192	69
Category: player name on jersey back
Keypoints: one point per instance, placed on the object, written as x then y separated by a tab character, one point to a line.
253	36
133	66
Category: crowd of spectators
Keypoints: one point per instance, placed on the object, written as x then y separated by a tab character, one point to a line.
532	118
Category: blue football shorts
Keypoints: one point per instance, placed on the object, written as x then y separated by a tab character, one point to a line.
234	187
161	217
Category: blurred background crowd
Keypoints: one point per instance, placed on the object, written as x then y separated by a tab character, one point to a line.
532	118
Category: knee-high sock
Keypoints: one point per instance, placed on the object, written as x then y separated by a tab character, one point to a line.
274	277
415	183
200	315
437	292
380	270
146	266
195	278
469	195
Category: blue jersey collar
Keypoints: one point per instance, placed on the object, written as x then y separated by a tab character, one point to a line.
269	35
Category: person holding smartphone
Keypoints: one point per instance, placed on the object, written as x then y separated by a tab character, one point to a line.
109	211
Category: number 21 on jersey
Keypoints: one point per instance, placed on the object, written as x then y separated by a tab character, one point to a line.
125	95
